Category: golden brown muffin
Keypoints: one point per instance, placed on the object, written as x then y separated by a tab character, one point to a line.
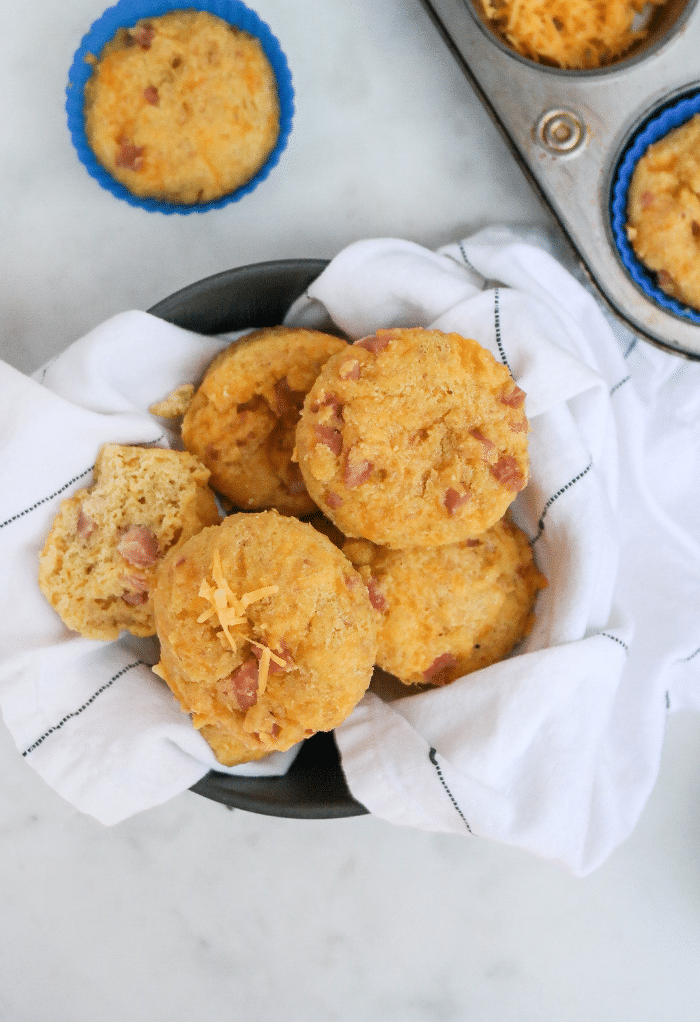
182	108
267	634
98	565
568	33
445	611
413	438
243	417
663	212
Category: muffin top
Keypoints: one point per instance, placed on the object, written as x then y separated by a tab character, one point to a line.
266	631
242	420
413	437
183	108
445	611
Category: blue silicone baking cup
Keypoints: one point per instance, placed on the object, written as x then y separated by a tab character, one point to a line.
654	127
124	15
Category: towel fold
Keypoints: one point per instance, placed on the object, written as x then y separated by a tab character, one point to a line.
554	750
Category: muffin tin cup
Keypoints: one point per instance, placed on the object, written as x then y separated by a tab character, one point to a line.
124	15
577	135
653	129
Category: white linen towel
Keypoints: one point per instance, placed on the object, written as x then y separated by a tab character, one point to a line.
554	750
90	717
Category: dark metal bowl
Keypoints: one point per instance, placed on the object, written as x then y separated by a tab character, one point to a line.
314	788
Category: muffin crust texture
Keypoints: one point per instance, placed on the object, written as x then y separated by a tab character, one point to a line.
443	612
290	653
413	437
242	420
99	562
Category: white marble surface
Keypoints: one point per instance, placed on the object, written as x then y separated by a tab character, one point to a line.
193	910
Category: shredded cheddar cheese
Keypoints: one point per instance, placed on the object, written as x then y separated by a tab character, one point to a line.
231	611
570	33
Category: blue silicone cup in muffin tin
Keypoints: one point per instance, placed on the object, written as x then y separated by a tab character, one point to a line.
125	14
654	128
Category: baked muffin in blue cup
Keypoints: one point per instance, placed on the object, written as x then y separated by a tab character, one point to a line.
179	109
655	213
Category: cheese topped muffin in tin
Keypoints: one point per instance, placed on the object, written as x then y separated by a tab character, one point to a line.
243	417
267	633
413	437
576	34
443	612
183	107
99	562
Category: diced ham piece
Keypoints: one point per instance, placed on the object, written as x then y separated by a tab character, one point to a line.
521	426
507	472
473	542
488	444
138	585
440	663
646	199
85	525
129	155
330	437
143	34
351	581
376	597
150	94
356	472
135	599
244	684
514	397
275	730
664	278
350	370
288	402
453	499
334	500
375	343
139	546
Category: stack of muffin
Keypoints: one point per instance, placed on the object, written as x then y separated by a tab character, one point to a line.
367	485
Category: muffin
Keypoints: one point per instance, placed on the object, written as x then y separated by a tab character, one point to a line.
99	562
663	212
242	420
266	631
413	437
576	34
443	612
182	108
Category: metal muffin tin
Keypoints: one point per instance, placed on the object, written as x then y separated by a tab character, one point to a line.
570	129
